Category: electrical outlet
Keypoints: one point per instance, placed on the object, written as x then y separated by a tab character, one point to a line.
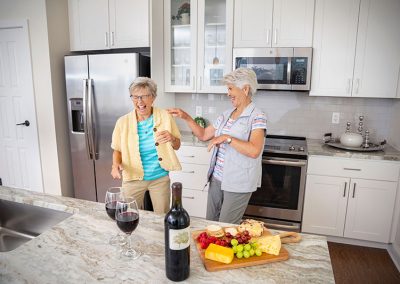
335	117
199	111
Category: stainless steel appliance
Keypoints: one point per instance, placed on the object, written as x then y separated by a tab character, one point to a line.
277	68
279	200
97	93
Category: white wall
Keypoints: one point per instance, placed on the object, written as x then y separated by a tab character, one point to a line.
35	12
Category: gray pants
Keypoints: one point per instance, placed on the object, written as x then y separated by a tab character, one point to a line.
225	206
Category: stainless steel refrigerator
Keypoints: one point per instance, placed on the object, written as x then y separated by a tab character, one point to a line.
97	93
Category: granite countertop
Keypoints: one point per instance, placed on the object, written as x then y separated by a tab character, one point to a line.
76	251
317	147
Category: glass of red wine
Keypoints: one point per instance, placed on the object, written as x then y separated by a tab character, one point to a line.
113	195
127	217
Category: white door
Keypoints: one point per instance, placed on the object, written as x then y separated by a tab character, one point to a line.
253	23
129	23
377	64
293	22
334	44
89	26
325	205
20	164
370	210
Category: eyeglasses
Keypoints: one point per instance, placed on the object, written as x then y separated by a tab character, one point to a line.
141	98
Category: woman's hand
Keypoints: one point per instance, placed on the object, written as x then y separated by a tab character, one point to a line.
116	171
216	141
177	112
164	137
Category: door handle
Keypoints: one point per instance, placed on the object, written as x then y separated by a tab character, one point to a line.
354	189
85	119
26	123
92	121
344	192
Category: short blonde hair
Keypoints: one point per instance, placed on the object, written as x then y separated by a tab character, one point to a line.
143	83
241	77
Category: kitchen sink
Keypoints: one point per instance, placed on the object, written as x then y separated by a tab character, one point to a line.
19	223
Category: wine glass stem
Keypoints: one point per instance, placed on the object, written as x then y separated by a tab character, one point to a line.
128	236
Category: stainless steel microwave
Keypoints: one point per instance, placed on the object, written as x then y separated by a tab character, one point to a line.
277	68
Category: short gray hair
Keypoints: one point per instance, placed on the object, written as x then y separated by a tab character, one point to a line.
241	77
143	83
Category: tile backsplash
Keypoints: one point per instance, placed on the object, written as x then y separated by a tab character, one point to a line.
296	113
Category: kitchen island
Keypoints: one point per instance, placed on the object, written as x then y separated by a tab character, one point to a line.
76	251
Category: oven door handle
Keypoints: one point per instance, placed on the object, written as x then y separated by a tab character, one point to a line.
284	162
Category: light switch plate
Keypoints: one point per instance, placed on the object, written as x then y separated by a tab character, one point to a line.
335	117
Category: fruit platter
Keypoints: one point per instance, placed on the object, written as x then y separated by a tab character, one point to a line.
248	244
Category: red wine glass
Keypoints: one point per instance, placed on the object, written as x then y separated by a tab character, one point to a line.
114	194
127	217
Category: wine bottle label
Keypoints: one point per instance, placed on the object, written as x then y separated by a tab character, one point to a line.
179	239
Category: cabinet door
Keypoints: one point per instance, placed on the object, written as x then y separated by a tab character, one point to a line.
180	38
377	64
370	210
334	42
293	22
215	24
325	205
195	202
129	23
253	23
88	23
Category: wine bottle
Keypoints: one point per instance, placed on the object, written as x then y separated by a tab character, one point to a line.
177	238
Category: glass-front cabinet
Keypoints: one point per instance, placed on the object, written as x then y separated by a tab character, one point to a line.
198	45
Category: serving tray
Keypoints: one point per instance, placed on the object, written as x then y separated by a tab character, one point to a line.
212	265
372	147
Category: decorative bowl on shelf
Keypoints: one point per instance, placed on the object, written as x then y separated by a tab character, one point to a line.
350	139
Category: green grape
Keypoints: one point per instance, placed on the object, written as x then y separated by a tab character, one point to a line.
258	252
240	248
234	248
234	242
251	251
247	247
254	245
246	254
239	254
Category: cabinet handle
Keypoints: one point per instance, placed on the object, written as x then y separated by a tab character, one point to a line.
188	197
348	86
357	85
351	169
276	36
268	34
354	189
194	82
344	192
112	38
188	156
200	82
106	39
188	172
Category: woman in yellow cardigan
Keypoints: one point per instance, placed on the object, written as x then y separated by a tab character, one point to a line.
144	143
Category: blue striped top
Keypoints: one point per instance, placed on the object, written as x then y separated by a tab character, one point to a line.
148	152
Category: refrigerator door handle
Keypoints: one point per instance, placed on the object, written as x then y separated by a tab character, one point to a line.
92	122
85	119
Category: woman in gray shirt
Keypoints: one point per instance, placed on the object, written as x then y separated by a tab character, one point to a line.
237	139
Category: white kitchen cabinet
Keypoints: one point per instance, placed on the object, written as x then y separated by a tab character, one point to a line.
273	23
108	24
193	176
198	49
355	48
350	198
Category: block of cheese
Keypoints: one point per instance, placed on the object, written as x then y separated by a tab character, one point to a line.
219	253
269	244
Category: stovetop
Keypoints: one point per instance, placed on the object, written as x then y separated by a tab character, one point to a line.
285	144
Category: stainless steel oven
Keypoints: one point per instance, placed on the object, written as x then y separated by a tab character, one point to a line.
279	200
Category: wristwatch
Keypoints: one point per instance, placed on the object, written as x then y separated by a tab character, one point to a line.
228	140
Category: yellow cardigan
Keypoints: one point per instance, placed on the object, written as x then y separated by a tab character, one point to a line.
125	139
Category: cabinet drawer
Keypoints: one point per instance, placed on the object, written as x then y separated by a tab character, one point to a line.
192	176
353	168
195	202
194	155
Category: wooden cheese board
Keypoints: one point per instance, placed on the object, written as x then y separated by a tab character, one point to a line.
212	265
